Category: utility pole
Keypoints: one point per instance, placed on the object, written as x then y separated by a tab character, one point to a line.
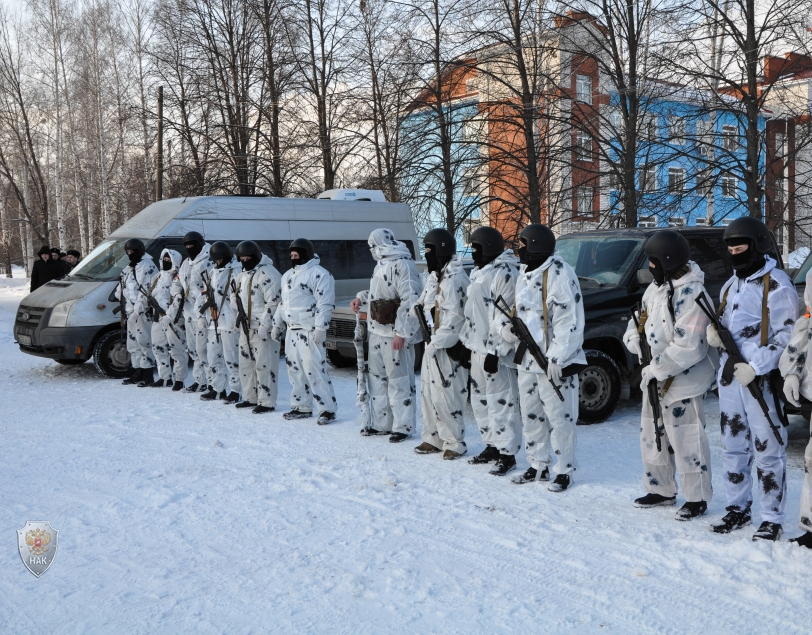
159	163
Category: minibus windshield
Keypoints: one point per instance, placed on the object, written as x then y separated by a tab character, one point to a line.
104	263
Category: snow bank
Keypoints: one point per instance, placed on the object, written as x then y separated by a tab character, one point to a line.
179	516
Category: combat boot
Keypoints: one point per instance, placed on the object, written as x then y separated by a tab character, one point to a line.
504	465
488	455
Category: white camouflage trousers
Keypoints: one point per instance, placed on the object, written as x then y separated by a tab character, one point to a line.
258	376
806	490
744	427
443	424
177	351
139	341
223	361
495	402
548	422
192	337
160	350
685	450
307	371
391	386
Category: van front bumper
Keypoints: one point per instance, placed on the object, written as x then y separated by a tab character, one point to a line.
70	342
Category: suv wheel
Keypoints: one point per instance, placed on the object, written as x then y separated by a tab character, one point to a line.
338	360
110	356
599	388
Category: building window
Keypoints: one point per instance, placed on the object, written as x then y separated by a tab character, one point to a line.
780	148
677	130
614	180
647	221
648	179
583	88
779	189
730	186
701	221
470	86
616	122
703	138
648	128
676	180
676	221
704	182
584	197
583	146
730	138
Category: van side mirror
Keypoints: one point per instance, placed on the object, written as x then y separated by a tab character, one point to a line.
644	277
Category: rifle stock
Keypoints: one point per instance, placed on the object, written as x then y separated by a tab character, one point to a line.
242	319
426	332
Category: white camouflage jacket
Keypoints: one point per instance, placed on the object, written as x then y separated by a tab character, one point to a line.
796	360
679	345
742	316
483	323
260	291
144	271
447	301
308	298
165	279
565	313
220	281
395	278
189	282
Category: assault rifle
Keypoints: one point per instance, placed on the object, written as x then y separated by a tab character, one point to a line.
653	393
211	305
734	357
527	342
155	308
242	319
122	309
426	332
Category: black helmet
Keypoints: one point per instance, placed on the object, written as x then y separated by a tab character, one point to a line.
538	239
135	245
443	242
490	241
248	248
193	237
748	228
220	251
669	248
304	248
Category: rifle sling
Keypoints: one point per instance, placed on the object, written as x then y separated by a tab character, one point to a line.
225	293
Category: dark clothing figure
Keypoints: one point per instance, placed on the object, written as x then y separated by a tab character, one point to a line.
44	269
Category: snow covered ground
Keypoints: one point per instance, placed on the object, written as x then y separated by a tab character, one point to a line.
178	516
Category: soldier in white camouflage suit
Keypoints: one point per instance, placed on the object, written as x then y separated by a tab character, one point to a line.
761	337
549	302
139	326
674	327
494	381
308	300
444	375
259	286
222	347
185	290
168	340
796	368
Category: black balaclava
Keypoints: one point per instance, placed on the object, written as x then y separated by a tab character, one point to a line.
193	249
479	259
303	257
167	263
134	257
749	261
248	265
432	263
533	261
657	271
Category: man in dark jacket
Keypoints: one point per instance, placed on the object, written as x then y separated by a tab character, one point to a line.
60	266
44	269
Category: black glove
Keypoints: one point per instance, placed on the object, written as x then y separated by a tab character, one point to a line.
491	364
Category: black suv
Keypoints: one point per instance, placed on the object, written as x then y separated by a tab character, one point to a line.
607	263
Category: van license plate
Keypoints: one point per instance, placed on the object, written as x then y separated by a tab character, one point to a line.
25	340
331	344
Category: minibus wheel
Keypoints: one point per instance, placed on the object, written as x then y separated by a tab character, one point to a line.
110	355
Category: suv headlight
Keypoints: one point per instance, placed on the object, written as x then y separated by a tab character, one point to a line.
59	314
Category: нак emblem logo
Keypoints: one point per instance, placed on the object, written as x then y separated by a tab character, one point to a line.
37	544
